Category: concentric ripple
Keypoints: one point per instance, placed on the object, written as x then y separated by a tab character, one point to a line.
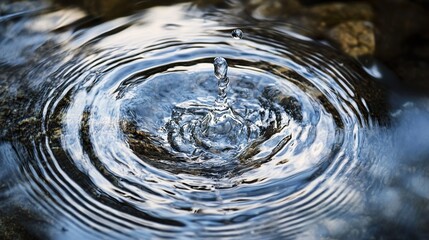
119	154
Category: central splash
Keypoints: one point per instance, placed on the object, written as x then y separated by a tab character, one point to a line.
196	128
222	129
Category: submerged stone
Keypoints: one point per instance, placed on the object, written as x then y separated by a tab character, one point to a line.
355	38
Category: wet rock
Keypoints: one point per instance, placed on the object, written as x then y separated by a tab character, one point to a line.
331	14
347	24
355	38
319	16
334	13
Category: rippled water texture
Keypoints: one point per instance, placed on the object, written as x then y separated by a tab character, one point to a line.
100	132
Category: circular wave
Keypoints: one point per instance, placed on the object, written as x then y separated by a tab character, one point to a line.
116	154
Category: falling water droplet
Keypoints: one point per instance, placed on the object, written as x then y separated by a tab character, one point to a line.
237	34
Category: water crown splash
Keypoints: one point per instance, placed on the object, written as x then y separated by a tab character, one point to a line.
222	128
213	131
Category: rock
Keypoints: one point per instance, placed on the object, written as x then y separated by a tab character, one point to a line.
347	24
355	38
328	15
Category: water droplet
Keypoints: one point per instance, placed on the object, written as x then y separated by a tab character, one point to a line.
237	34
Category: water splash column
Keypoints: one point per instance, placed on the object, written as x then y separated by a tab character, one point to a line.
221	71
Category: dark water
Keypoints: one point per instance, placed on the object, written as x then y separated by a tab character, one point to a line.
95	142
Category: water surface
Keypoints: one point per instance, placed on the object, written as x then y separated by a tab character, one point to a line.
96	143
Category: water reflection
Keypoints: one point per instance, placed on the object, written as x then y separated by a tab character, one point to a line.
84	101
